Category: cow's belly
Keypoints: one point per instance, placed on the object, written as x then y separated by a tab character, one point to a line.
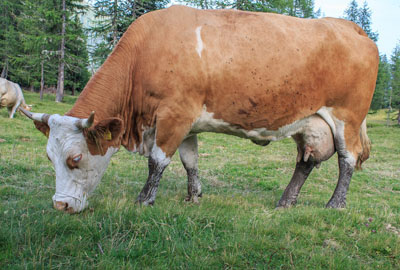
8	100
5	102
207	123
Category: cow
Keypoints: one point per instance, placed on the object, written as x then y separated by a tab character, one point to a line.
181	71
11	97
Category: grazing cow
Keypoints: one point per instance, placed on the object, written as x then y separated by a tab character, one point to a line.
11	96
181	71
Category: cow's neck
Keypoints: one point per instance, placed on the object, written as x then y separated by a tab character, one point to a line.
110	91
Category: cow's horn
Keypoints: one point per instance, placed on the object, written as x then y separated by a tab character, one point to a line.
86	123
41	117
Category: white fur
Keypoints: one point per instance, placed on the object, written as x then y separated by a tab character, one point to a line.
188	151
340	142
200	46
207	123
159	156
10	96
326	114
66	140
337	127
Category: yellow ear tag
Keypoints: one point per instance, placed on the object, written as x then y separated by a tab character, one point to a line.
107	135
47	133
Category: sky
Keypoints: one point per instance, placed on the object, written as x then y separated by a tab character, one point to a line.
385	19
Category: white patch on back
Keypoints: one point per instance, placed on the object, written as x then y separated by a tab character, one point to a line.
200	46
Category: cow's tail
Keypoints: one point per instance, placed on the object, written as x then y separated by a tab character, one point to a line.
365	143
23	103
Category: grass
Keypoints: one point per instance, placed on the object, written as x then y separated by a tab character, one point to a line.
235	226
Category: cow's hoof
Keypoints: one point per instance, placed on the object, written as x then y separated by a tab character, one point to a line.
193	199
285	203
145	203
336	204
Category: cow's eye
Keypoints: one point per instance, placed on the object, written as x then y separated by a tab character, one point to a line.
73	161
77	158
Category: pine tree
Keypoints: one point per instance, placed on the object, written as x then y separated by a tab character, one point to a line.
30	43
107	16
298	8
9	42
382	84
362	17
77	57
395	68
112	18
60	81
365	21
352	13
68	8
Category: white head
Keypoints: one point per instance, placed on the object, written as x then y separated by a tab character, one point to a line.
80	154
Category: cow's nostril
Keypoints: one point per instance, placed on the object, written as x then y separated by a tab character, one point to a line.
60	205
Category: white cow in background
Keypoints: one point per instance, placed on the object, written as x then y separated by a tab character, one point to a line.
11	96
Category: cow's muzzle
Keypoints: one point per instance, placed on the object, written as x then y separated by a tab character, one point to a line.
63	206
69	204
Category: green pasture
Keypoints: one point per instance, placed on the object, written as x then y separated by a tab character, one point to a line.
235	226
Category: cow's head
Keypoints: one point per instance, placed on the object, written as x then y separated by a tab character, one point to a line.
80	153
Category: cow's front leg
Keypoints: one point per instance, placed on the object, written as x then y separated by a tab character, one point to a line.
302	171
346	169
157	164
170	132
189	156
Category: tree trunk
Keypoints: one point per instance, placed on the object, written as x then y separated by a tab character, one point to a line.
389	109
398	118
73	90
41	79
4	72
114	22
133	4
60	83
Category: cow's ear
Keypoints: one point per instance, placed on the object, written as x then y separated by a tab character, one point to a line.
106	133
42	127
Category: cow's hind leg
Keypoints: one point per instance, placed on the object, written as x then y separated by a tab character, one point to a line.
353	147
189	157
303	169
13	109
346	168
315	144
349	147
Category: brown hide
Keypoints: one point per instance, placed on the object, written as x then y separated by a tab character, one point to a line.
256	70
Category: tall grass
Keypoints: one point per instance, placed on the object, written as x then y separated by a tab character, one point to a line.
236	225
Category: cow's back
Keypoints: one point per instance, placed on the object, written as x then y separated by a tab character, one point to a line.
255	69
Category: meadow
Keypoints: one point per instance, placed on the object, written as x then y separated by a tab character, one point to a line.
235	226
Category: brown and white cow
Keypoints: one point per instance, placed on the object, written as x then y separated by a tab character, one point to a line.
11	96
181	71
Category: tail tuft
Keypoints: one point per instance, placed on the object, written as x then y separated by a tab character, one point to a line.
366	145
